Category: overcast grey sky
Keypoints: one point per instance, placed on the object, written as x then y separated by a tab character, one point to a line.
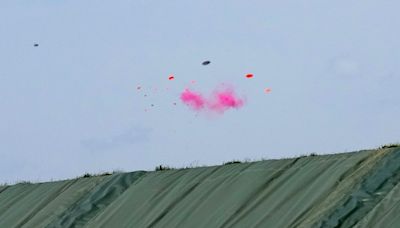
71	105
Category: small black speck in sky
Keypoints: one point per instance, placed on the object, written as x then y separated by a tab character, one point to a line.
206	62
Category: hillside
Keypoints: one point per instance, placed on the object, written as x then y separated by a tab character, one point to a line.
358	189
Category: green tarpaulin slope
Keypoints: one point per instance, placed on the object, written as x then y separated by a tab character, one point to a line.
342	190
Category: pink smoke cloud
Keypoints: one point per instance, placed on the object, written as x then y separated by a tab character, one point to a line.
223	100
193	99
220	101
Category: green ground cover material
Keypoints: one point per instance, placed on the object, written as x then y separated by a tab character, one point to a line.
2	188
375	185
67	199
359	189
386	213
277	193
96	200
35	205
20	203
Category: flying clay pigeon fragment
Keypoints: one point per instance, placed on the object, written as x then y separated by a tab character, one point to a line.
206	62
249	75
171	77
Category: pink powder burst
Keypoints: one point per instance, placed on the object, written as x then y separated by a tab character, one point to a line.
224	99
193	99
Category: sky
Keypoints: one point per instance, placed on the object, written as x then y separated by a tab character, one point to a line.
71	105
